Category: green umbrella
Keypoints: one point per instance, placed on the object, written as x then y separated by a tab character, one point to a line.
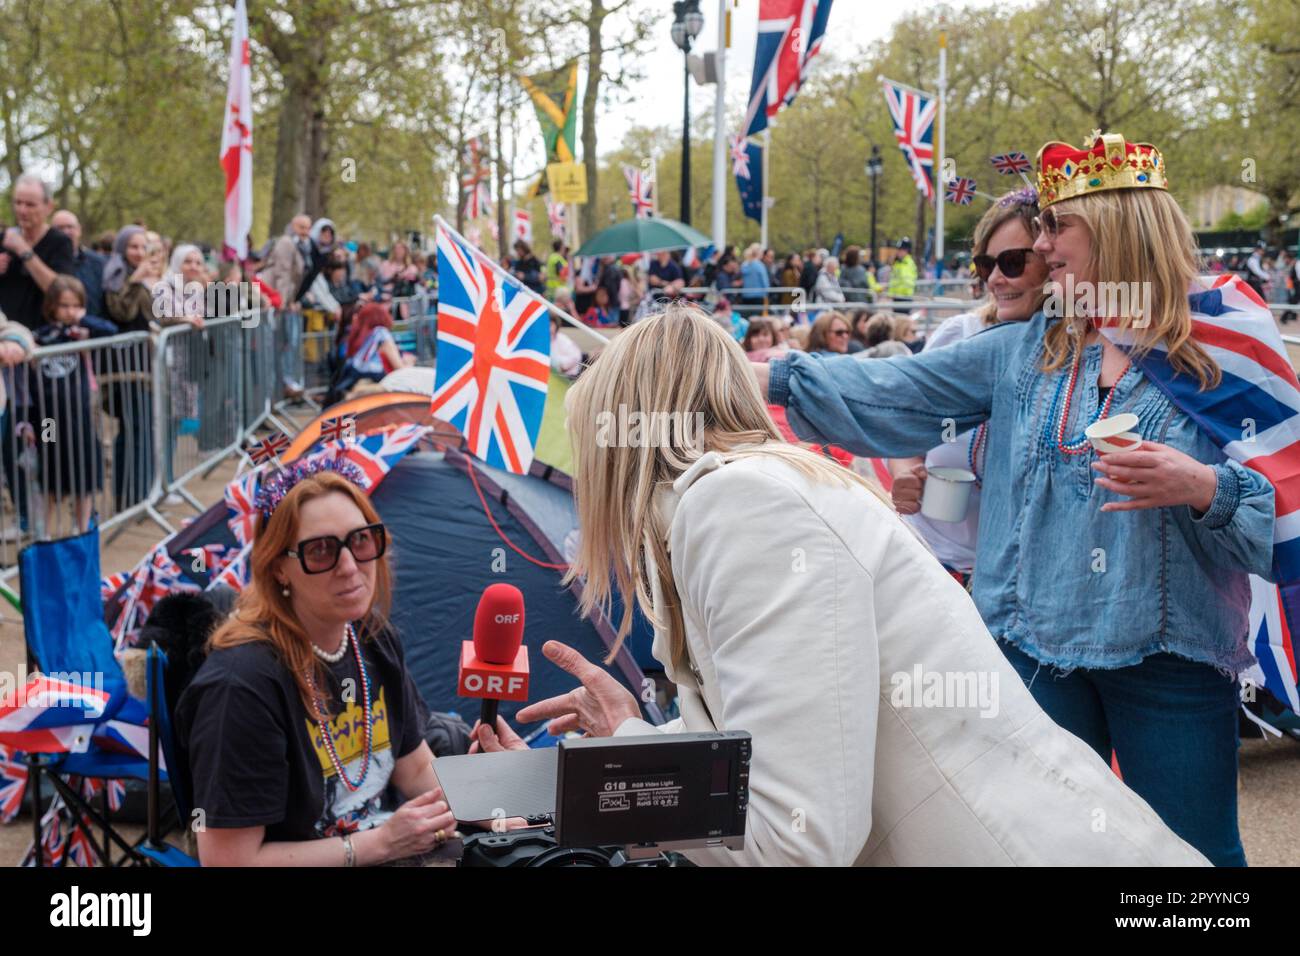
643	235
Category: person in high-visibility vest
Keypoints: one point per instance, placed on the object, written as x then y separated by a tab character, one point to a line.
902	277
557	270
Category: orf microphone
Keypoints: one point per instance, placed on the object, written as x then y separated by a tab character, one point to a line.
494	666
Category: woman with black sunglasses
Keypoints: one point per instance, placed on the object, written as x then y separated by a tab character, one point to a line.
304	714
1014	275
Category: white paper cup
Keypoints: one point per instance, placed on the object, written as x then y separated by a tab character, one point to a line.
1117	427
1124	441
947	494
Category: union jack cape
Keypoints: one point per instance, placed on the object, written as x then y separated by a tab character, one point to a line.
1254	417
494	348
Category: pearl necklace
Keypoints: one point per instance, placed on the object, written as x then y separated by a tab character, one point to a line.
337	655
1080	444
366	716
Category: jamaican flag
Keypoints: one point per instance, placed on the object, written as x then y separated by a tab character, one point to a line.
554	95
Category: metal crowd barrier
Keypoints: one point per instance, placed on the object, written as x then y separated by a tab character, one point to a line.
77	438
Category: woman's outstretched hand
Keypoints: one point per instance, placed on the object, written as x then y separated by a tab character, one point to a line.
599	706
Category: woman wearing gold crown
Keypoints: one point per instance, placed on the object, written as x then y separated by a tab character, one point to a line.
1117	584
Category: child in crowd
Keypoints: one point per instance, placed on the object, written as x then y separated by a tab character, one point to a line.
60	409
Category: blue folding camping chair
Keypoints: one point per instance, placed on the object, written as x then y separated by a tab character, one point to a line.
97	736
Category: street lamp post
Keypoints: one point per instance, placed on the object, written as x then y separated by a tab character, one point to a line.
687	24
874	164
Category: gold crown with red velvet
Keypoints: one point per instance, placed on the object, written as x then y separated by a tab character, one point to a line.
1110	162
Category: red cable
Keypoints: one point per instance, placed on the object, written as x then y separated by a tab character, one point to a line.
469	467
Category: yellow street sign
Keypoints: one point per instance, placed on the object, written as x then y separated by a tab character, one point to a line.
568	182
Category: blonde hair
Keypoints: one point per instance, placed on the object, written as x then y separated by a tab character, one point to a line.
1140	236
681	364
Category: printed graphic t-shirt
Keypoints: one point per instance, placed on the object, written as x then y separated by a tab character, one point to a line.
255	757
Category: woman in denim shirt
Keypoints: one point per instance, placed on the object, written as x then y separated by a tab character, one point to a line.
1123	606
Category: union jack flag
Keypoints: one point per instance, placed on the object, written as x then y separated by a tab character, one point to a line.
80	850
13	783
557	216
493	365
740	156
789	35
1008	164
110	585
269	447
913	114
241	514
641	188
338	429
235	574
960	190
474	183
1259	385
378	452
90	786
52	716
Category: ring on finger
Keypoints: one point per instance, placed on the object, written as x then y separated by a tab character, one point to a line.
439	836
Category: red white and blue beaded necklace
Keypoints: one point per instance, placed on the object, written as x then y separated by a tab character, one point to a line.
1081	444
366	716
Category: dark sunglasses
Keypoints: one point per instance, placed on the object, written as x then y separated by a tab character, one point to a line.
838	332
318	555
1010	261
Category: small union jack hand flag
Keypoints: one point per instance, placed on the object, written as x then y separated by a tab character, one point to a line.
269	448
342	429
960	190
1008	164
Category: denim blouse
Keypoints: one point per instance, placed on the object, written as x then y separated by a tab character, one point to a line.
1069	584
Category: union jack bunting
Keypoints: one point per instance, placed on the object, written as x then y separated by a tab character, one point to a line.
1008	164
493	365
1235	327
641	189
913	114
960	191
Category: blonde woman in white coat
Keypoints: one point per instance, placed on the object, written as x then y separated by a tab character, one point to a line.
790	601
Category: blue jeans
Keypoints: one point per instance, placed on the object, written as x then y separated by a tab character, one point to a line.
1173	726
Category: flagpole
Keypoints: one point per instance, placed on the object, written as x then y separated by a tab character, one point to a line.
767	148
484	258
720	136
942	180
